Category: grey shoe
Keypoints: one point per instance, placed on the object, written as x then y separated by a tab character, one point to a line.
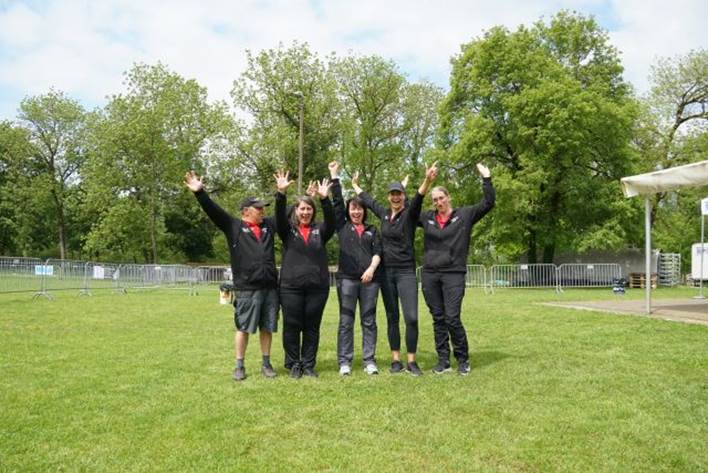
464	368
413	369
268	371
239	374
310	372
296	372
442	367
396	367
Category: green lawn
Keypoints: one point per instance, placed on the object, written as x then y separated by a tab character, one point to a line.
142	382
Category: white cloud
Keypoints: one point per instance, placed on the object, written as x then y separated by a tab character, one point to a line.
83	48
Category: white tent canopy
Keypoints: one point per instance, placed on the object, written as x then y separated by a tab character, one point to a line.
695	174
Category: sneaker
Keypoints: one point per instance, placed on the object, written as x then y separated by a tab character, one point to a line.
268	371
442	367
296	372
239	374
310	372
413	369
396	367
370	369
345	370
464	368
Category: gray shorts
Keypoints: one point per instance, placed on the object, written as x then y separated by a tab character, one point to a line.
256	309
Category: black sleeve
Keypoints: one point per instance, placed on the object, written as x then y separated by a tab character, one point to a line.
415	209
378	209
340	215
281	216
328	224
482	208
377	246
216	214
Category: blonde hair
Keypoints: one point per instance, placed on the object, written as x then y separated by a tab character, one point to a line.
440	189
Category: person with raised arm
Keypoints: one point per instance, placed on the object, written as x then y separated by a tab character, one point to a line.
304	274
357	279
446	243
398	225
255	278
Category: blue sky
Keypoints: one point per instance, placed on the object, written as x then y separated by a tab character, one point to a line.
83	47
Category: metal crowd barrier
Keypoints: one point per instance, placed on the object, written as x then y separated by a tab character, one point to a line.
153	276
588	275
523	276
21	274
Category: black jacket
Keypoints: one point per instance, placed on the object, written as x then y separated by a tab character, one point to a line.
252	261
355	252
304	264
397	234
445	249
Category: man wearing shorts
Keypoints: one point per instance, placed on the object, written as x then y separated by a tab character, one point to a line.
255	278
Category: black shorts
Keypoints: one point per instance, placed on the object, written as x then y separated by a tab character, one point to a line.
256	309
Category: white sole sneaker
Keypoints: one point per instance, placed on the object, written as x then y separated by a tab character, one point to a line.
345	370
371	369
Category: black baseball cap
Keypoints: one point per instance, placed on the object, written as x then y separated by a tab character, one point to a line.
253	202
396	186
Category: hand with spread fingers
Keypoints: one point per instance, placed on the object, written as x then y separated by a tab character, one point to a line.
483	170
193	182
281	181
311	189
323	188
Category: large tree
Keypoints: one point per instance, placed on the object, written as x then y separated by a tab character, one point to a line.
275	87
548	109
56	126
144	142
673	130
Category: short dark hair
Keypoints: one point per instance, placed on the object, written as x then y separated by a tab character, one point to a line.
356	200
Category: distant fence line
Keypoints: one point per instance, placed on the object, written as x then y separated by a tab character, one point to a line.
42	277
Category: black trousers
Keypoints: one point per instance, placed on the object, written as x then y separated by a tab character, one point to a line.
401	283
443	294
302	316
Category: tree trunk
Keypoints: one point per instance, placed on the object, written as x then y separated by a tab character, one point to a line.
531	249
153	236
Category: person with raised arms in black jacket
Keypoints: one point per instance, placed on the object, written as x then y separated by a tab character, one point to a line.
446	243
304	274
357	279
255	278
398	225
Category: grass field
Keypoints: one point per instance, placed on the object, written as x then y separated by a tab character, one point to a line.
142	382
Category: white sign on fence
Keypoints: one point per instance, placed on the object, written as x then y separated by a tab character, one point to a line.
704	206
98	272
43	270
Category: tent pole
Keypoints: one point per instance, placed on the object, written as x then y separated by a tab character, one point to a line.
647	253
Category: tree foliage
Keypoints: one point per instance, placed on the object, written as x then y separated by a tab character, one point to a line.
548	109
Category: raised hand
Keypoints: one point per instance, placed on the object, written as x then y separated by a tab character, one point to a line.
483	170
333	169
355	183
281	180
323	188
311	189
404	182
432	172
193	182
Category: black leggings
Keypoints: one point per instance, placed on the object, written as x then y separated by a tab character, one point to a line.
400	283
302	315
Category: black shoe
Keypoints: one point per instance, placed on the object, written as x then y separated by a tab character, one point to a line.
296	372
442	367
396	367
310	372
239	374
464	368
413	369
268	371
